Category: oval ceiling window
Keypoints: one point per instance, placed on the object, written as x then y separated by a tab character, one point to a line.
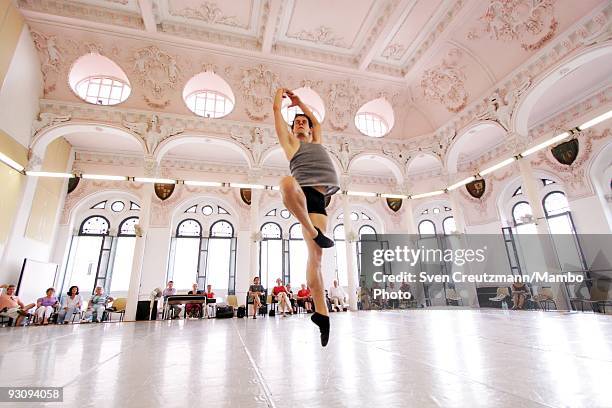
208	95
375	118
98	80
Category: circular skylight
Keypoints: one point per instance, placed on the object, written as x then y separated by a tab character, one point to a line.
98	80
375	118
208	95
370	124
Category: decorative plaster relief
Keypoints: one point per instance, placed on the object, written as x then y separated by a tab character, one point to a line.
530	22
444	83
208	12
343	101
321	35
258	86
157	72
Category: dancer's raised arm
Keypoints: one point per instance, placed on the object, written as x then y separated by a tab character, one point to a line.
285	138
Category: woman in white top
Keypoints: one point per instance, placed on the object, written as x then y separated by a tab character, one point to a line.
71	304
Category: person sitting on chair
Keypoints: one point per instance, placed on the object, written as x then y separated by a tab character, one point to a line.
280	295
194	309
71	304
11	306
291	297
304	299
210	294
337	297
256	291
519	294
97	304
171	291
45	306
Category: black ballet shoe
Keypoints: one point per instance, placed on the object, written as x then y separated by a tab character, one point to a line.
322	240
323	323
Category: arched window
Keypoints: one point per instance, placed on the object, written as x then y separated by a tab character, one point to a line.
448	225
366	233
427	228
558	215
94	225
270	253
220	265
298	255
340	240
367	230
523	217
189	228
222	229
186	253
521	212
127	228
555	203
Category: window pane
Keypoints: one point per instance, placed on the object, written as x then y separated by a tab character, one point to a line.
217	270
298	259
271	261
82	266
185	262
427	228
122	265
341	263
556	203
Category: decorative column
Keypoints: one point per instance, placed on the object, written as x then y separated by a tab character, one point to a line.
255	236
457	210
409	209
531	188
139	249
349	238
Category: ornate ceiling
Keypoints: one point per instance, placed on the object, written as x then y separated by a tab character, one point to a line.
438	62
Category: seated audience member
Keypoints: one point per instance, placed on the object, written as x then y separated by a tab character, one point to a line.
291	297
280	295
519	294
393	303
209	293
11	306
97	304
256	291
71	304
171	291
337	297
405	288
45	306
304	299
194	309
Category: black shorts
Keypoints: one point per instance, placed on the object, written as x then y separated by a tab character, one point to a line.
315	200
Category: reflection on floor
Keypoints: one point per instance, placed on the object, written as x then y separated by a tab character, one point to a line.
420	358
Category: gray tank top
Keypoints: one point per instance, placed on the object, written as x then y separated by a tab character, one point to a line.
311	166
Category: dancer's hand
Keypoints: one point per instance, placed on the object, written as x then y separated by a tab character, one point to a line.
295	100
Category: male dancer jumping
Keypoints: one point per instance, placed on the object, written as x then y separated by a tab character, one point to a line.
312	178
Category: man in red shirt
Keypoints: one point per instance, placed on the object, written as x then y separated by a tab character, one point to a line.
304	298
280	294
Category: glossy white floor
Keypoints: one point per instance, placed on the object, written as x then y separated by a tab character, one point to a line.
419	358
